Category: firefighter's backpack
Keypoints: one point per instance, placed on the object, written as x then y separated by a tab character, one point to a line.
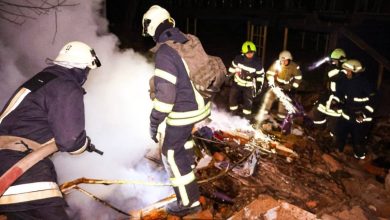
206	72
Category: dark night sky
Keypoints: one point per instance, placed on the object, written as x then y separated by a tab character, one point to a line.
223	35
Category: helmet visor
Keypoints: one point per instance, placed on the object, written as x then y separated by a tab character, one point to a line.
145	25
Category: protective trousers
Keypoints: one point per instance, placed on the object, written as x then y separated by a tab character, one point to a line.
236	93
178	158
269	99
358	131
53	212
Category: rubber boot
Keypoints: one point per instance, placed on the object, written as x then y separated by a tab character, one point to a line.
177	209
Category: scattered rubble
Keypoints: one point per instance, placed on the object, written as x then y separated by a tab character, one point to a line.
287	177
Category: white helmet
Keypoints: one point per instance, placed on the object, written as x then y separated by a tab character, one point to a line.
77	54
353	65
153	18
285	55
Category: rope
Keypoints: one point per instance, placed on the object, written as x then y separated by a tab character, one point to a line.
101	201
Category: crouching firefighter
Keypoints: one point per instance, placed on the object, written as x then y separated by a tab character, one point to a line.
48	108
248	79
180	104
285	74
356	95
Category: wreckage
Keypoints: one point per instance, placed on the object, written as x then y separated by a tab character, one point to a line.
248	174
264	173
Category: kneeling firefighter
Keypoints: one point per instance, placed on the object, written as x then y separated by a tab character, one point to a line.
180	104
48	108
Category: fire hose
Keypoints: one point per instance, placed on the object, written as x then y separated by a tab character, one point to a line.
17	170
66	187
36	155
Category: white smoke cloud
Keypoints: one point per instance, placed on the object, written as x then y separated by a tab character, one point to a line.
117	105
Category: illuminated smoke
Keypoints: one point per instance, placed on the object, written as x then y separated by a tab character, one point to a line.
117	106
224	121
318	63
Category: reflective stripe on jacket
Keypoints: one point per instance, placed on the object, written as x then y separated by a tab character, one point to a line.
245	70
175	96
30	192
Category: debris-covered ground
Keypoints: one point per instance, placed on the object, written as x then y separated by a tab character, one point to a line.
261	174
256	172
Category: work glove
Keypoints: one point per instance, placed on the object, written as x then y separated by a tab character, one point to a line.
359	116
153	133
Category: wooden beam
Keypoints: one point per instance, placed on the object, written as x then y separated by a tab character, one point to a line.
365	47
285	39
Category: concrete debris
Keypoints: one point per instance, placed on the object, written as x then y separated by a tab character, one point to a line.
266	207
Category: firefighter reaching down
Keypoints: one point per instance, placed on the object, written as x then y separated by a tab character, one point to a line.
356	95
285	74
48	106
178	102
248	79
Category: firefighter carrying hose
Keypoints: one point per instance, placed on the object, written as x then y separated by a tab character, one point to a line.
48	106
285	74
326	112
177	101
248	74
356	95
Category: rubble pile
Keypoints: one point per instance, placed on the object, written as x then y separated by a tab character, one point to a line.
238	173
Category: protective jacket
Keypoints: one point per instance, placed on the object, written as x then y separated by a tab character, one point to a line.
285	77
245	70
249	79
182	105
356	96
55	110
175	97
328	102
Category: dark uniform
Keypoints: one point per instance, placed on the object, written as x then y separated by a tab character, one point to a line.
55	110
356	96
177	101
248	81
327	106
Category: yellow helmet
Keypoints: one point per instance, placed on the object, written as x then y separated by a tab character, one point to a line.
248	46
338	54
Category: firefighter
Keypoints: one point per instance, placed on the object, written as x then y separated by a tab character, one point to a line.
49	105
248	74
356	95
326	112
285	74
180	104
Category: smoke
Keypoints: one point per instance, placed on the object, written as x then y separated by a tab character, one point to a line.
221	120
117	106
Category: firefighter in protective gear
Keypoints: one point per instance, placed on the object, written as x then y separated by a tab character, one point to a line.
327	108
248	74
48	106
180	104
285	74
356	95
